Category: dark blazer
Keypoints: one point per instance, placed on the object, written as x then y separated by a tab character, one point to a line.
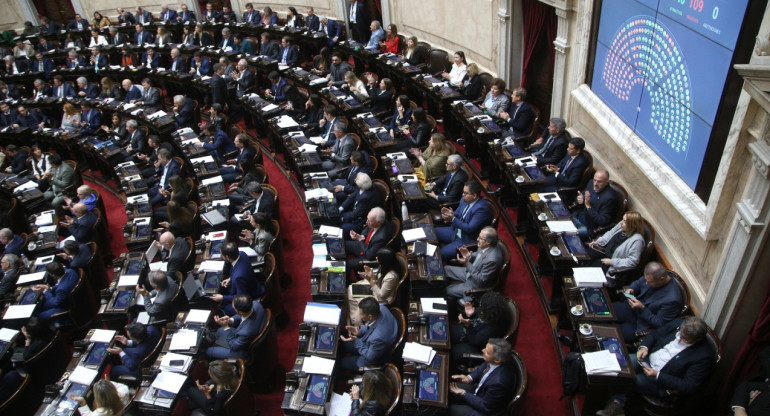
51	28
129	18
454	191
178	254
82	228
521	121
138	142
170	15
15	246
59	295
477	217
407	117
419	135
135	93
45	46
362	20
493	396
154	63
8	281
253	19
350	177
229	17
604	205
142	37
151	98
185	116
205	68
338	72
101	61
77	63
47	91
242	280
146	16
210	16
8	119
375	340
661	305
218	90
419	56
271	50
46	67
688	369
227	43
378	241
265	204
19	162
167	40
569	177
472	91
245	155
33	118
91	90
358	205
245	82
118	39
73	25
181	65
160	309
187	16
135	354
554	152
292	55
247	329
94	120
80	260
221	143
203	39
312	23
333	30
381	100
115	92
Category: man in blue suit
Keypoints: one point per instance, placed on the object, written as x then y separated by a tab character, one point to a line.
86	90
178	63
174	251
231	170
210	15
56	298
141	16
81	226
41	64
311	20
150	59
220	144
167	15
185	15
98	60
142	36
232	340
75	255
471	216
371	343
133	92
92	119
332	29
32	119
356	207
78	24
138	344
74	60
488	390
448	188
346	185
241	279
676	356
169	168
289	53
551	146
569	171
251	16
227	44
655	300
183	110
200	65
378	35
12	243
519	115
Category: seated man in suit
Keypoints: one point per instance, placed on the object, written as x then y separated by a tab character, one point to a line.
8	117
142	36
83	194
596	206
240	280
177	249
219	145
332	29
78	24
61	177
339	153
14	67
246	152
185	15
228	16
378	35
178	63
139	342
75	255
371	343
551	146
488	390
311	20
142	16
268	48
91	119
32	119
9	266
355	208
12	243
251	16
82	225
235	334
471	216
167	15
210	15
61	89
569	171
243	78
374	236
124	16
448	188
17	155
168	168
278	88
56	298
74	60
40	89
150	100
227	44
479	270
338	69
133	92
263	202
157	302
519	115
184	111
289	52
359	163
677	356
655	300
42	64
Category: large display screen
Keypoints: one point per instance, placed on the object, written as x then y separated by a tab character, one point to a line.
661	66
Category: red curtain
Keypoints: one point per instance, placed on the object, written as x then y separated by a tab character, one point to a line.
746	363
539	20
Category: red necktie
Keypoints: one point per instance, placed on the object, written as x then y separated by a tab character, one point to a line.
369	236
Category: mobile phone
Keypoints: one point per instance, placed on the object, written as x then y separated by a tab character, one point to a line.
628	295
440	306
644	364
176	363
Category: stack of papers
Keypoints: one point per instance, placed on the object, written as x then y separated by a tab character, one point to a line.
170	382
419	353
413	234
589	276
7	335
102	335
599	363
561	226
285	121
211	266
165	363
317	193
322	313
19	311
83	375
317	365
307	148
44	218
184	339
30	278
198	316
128	280
339	405
211	180
318	81
329	231
320	250
427	305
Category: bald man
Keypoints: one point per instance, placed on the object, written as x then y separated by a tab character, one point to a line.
176	251
82	225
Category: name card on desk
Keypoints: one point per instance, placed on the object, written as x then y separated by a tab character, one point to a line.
322	313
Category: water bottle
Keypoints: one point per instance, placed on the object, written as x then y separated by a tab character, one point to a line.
404	211
25	261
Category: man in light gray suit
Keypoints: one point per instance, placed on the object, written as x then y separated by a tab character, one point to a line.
164	289
480	267
61	176
339	154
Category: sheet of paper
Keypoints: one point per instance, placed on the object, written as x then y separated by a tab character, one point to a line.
330	231
170	382
417	352
128	280
553	196
601	362
137	198
320	249
7	334
317	139
165	363
204	159
318	365
23	187
561	226
212	180
249	251
322	313
287	122
339	405
212	266
413	234
269	107
83	375
319	262
152	250
46	229
44	218
198	315
427	305
29	278
159	265
184	339
141	221
19	311
102	335
143	318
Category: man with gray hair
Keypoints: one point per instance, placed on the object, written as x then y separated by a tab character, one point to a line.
339	154
378	36
157	302
551	146
178	64
227	44
74	60
377	232
479	269
487	390
9	265
243	77
12	243
356	207
449	187
184	111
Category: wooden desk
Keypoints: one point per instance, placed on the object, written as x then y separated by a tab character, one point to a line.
418	331
296	390
413	379
601	387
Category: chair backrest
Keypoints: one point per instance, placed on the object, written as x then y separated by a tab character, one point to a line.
96	270
270	188
649	243
233	130
716	345
397	294
375	163
241	398
622	207
180	161
384	191
680	283
192	193
261	173
520	388
494	212
486	80
189	260
153	355
356	140
11	402
49	363
84	307
514	316
588	173
431	122
401	43
272	298
401	321
502	274
395	242
536	121
394	377
438	61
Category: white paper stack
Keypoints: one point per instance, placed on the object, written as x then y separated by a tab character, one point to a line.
317	193
600	363
589	276
320	249
44	218
128	280
184	339
211	266
165	363
83	375
212	180
23	187
413	234
19	312
419	353
286	122
330	231
317	365
561	226
322	313
307	148
339	405
198	316
318	81
7	335
269	107
170	382
427	305
102	335
30	278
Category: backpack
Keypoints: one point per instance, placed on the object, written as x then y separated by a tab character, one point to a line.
574	378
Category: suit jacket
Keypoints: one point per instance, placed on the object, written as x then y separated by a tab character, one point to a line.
160	309
221	143
245	82
15	246
313	23
661	305
178	254
51	28
278	89
19	162
46	67
8	119
350	179
395	122
229	17
80	260
218	90
454	191
342	150
375	340
135	93
497	106
687	370
77	63
146	16
570	177
94	120
167	40
185	116
493	396
419	56
358	205
210	16
227	43
33	118
118	39
138	142
129	18
168	16
246	330
45	46
333	30
242	280
82	228
187	16
266	204
338	72
271	50
378	240
63	177
204	39
142	37
152	98
521	121
91	90
181	65
627	255
252	18
154	62
291	56
138	352
59	295
482	267
205	67
46	92
477	217
73	25
552	153
246	154
8	281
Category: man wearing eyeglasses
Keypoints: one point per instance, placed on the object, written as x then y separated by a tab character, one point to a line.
466	222
479	269
448	188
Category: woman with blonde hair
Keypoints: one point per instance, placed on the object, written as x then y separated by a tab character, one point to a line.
109	399
373	397
109	89
70	121
209	398
433	159
620	248
473	85
355	86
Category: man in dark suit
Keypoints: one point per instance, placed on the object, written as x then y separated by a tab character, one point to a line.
359	21
569	171
142	16
91	119
374	236
137	142
167	15
219	145
338	69
200	65
78	24
14	67
124	16
185	15
175	251
218	86
133	92
150	59
346	185
116	38
243	78
466	222
371	343
40	89
210	15
74	60
98	60
12	243
332	29
268	48
183	110
289	53
32	119
41	64
519	116
17	155
82	225
263	202
163	289
235	334
75	255
61	89
676	356
240	278
56	298
478	269
551	146
231	169
142	36
86	90
228	16
311	20
8	115
339	152
449	187
49	26
151	97
227	44
138	344
44	45
169	168
655	300
9	270
251	16
356	207
596	206
9	91
488	390
178	63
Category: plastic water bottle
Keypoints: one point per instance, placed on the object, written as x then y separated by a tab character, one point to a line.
25	261
404	211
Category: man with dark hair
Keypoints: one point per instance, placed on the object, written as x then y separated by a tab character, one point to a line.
488	390
157	303
61	89
246	152
331	113
479	269
12	243
449	187
676	356
200	65
359	163
61	177
168	168
466	222
210	15
151	97
289	53
338	69
569	171
519	116
78	24
311	20
18	162
142	17
251	16
138	344
240	280
359	20
56	298
268	48
91	119
31	119
218	86
142	36
49	26
75	255
371	343
8	115
277	91
232	340
339	153
220	143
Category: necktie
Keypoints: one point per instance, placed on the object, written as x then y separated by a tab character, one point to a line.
451	175
545	147
569	162
513	117
483	378
369	236
465	211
